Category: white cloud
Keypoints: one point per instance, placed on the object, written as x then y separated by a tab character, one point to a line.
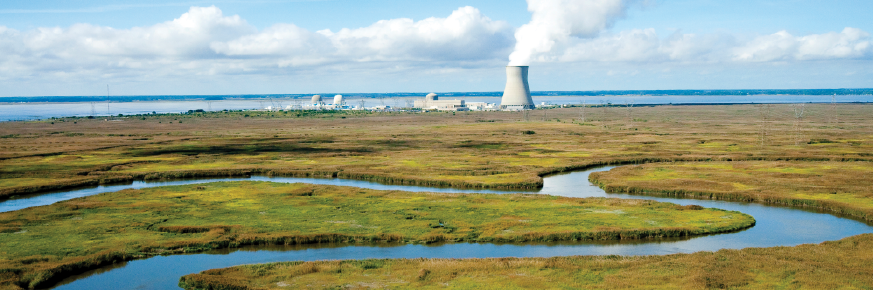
203	41
850	43
188	35
633	45
645	45
555	22
574	31
465	35
280	39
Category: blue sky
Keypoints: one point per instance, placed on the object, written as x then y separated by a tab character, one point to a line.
250	47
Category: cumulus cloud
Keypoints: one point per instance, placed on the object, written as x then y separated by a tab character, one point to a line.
575	31
850	43
188	35
204	41
646	46
554	22
465	35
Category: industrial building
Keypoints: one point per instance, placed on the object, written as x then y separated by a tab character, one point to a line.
432	102
318	103
482	106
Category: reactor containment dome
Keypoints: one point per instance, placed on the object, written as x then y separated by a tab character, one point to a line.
516	96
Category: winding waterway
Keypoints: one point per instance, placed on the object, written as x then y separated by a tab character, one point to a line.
776	226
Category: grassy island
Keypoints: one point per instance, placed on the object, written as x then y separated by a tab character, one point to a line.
844	264
840	187
43	243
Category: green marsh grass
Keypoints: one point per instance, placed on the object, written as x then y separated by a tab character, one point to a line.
45	243
840	187
478	150
433	149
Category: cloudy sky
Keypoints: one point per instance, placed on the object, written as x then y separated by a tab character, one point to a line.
54	47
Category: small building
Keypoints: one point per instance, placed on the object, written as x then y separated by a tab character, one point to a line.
482	106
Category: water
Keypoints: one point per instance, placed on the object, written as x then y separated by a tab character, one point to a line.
776	226
30	111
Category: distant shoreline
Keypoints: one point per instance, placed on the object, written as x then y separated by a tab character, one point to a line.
589	105
149	98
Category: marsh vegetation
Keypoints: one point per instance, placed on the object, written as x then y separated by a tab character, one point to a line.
726	150
839	187
435	149
43	243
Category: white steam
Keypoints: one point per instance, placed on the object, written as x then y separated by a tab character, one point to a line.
556	21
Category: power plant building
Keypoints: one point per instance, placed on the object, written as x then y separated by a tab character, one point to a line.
516	95
432	101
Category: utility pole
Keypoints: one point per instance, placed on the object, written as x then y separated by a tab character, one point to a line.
582	112
799	109
764	111
603	106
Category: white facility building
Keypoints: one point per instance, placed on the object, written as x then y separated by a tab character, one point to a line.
432	102
482	106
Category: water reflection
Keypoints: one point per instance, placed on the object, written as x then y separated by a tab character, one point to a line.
776	226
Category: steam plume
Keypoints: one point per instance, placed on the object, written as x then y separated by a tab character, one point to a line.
556	21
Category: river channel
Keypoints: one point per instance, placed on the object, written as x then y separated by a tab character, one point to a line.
775	226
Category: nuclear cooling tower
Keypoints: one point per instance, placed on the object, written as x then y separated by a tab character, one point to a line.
517	92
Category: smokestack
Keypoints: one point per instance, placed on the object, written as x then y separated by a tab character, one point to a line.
517	92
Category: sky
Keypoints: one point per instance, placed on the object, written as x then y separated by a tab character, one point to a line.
52	47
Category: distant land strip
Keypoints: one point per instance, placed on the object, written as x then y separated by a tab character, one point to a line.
809	92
